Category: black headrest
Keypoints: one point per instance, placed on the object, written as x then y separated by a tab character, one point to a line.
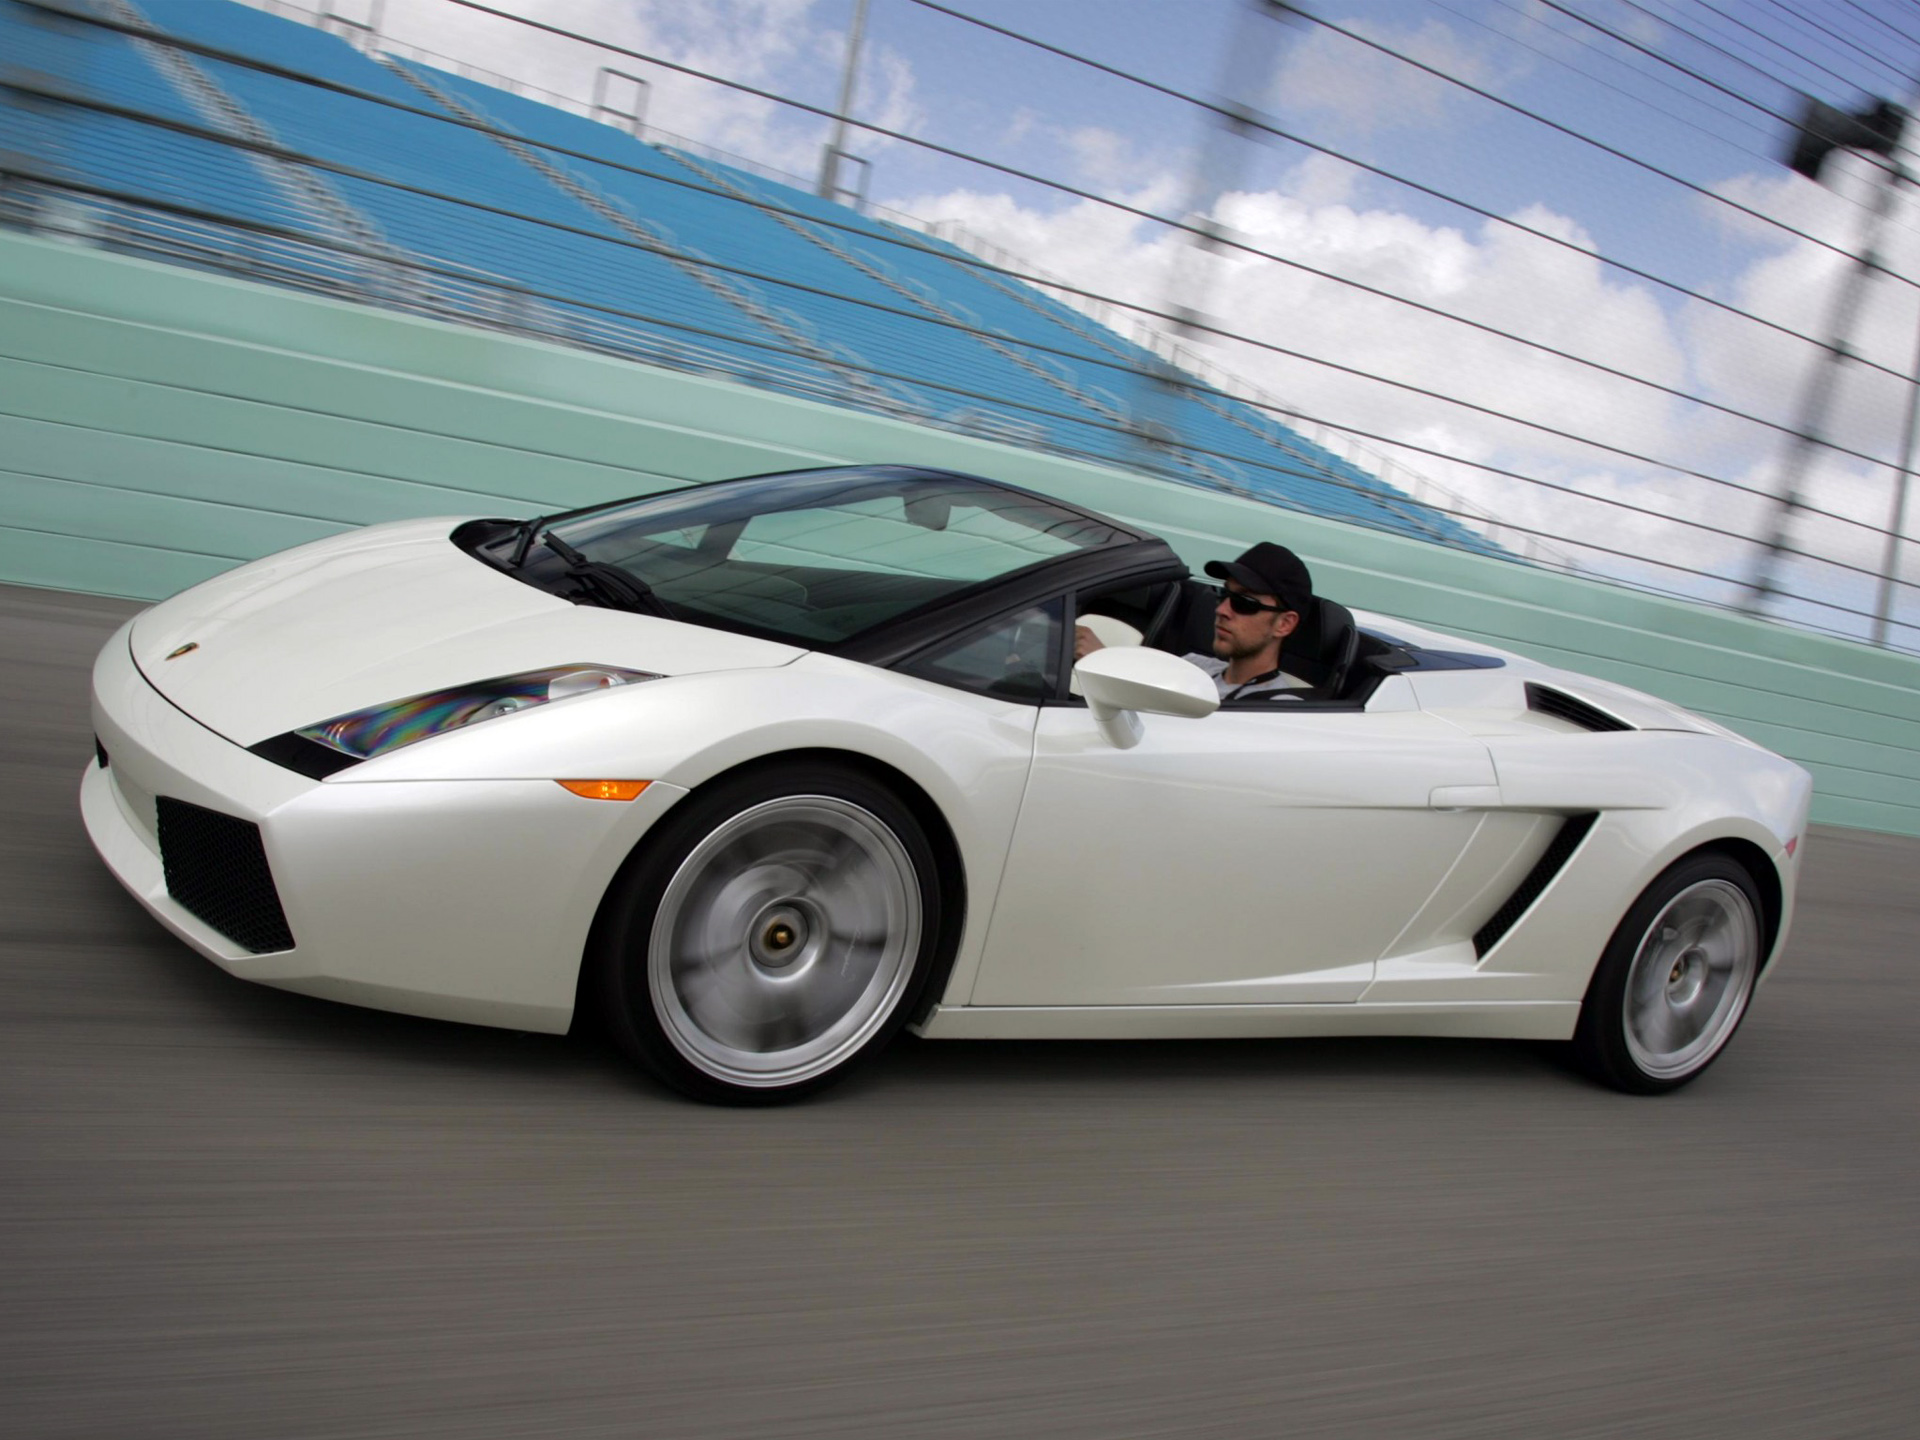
1321	650
1190	630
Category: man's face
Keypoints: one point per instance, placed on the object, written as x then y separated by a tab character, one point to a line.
1237	636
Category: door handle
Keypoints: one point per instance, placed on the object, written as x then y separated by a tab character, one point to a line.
1464	797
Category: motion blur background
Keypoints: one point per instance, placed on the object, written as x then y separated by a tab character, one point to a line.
1516	311
1508	314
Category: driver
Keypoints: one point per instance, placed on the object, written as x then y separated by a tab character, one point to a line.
1265	590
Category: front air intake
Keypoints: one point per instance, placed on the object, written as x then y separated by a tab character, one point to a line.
1558	703
216	869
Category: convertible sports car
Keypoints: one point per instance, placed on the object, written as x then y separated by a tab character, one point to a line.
764	770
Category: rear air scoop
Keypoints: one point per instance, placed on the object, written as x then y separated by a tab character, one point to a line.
382	614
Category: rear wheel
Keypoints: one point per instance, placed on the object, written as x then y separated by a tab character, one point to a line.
1675	980
776	931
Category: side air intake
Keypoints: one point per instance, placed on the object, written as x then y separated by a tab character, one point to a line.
1559	850
1549	701
216	868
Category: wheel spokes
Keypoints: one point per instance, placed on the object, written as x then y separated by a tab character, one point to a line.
785	938
1690	979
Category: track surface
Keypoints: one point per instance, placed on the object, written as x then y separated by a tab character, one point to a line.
228	1211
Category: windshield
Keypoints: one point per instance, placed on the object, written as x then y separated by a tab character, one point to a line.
820	556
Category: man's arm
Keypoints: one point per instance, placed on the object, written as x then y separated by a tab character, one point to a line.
1097	632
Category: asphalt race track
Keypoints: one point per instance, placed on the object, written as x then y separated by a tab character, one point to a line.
231	1212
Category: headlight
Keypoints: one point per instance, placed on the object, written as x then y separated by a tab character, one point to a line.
375	731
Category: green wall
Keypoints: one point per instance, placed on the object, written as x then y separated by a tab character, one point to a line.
158	425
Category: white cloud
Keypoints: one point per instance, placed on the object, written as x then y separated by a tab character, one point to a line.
1365	90
1102	158
888	97
1634	23
1564	297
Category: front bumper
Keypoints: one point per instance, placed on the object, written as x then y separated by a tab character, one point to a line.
464	900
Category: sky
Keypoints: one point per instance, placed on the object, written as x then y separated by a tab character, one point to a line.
1534	257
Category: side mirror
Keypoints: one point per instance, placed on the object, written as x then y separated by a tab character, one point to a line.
1120	683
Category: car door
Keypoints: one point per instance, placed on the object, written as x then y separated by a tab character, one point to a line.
1256	856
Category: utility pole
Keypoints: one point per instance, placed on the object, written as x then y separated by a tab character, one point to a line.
829	185
1822	130
1896	521
1809	435
1902	479
1248	75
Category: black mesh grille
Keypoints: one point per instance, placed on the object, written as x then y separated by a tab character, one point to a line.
1549	701
1559	850
216	868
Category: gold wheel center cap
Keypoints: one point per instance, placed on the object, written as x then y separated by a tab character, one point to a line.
779	935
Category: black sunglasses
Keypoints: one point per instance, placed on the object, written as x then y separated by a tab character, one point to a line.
1242	603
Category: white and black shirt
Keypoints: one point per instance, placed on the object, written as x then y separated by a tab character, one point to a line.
1260	684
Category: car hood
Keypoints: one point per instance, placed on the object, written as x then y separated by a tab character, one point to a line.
380	614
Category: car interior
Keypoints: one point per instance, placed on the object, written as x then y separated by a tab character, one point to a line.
1328	650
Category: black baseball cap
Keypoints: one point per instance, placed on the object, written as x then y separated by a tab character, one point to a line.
1269	569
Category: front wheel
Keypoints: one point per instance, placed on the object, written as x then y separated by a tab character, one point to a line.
1675	980
773	933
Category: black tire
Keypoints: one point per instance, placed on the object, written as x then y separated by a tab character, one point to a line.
751	912
1698	935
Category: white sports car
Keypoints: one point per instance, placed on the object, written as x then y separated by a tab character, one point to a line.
765	770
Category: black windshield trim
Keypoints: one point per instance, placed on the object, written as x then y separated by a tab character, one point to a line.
470	535
882	641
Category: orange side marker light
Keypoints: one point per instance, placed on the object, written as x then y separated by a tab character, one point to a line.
605	789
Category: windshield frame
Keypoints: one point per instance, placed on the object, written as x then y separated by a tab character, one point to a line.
495	543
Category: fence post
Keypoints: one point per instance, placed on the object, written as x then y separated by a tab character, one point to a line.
1883	612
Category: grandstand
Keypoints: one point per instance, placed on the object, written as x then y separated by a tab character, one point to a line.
210	134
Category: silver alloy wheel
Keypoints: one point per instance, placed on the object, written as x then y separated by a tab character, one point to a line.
1691	979
784	940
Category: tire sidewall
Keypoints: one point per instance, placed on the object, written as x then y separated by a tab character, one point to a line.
619	947
1600	1038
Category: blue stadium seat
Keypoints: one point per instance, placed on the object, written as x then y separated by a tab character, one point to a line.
103	152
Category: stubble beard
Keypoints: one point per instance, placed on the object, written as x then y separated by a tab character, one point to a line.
1225	647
